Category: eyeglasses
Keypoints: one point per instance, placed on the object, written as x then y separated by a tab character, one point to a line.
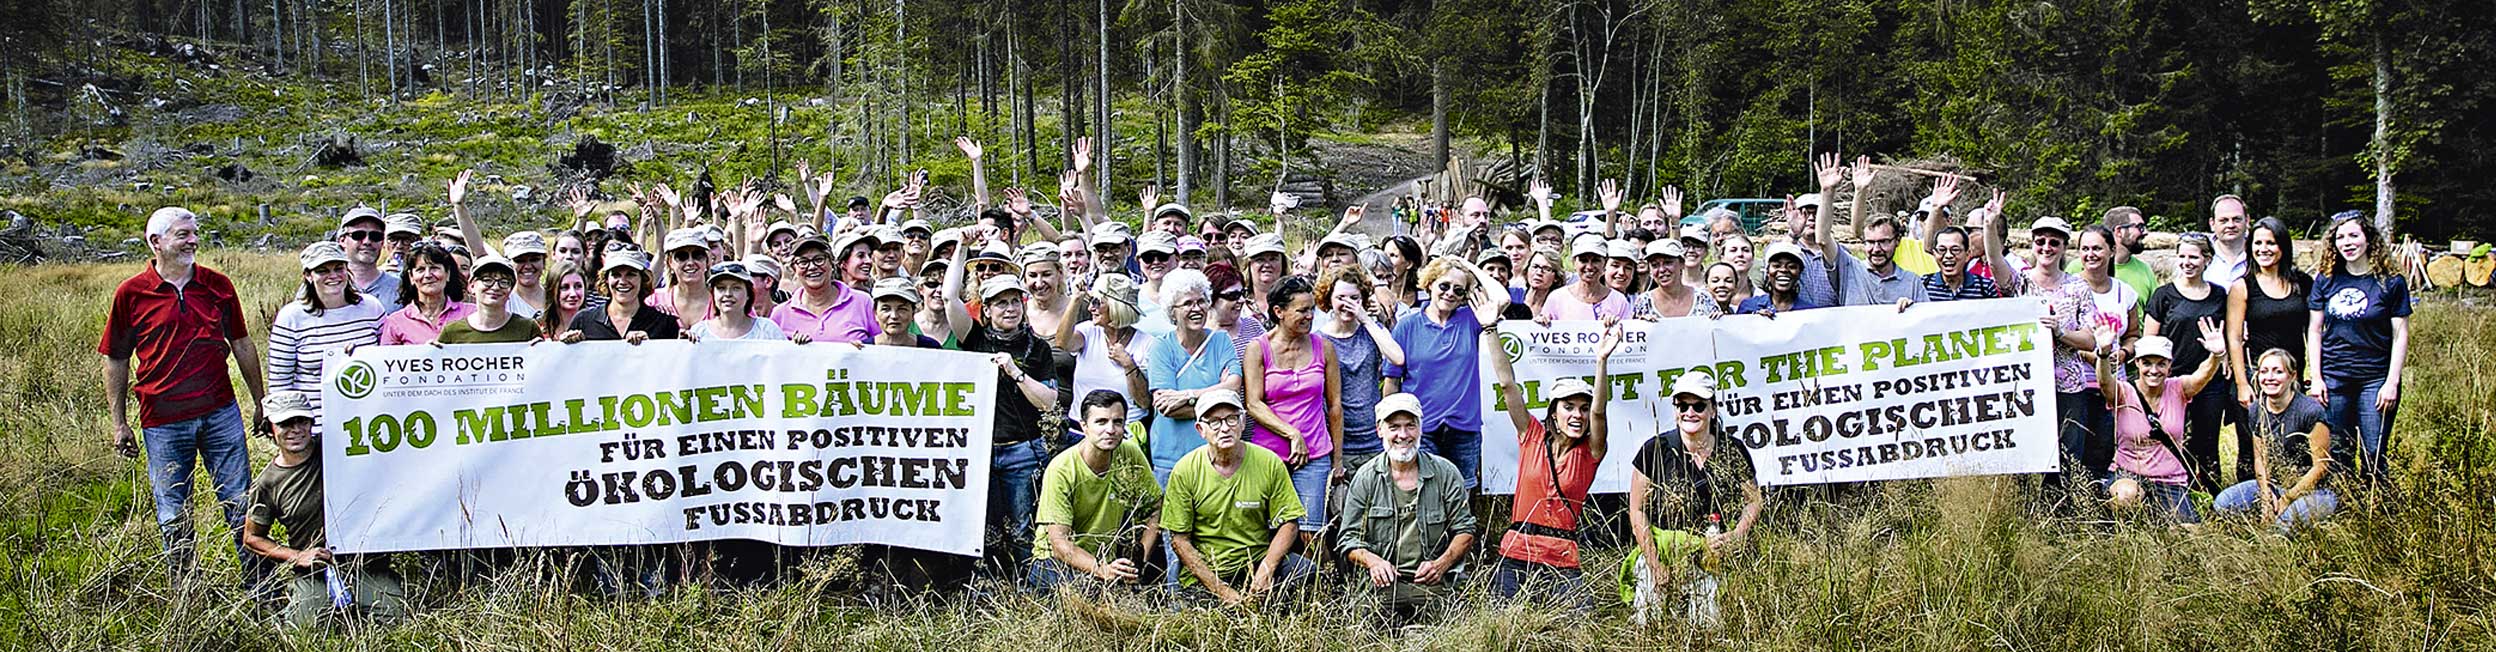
494	281
1690	406
2048	242
1215	237
807	262
1226	423
1154	257
1451	288
363	235
2135	226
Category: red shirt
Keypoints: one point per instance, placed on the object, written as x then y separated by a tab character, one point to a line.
181	338
1548	499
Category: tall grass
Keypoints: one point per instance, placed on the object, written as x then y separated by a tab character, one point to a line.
1948	565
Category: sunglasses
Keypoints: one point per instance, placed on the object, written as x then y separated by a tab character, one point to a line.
1690	406
684	254
1154	257
1231	295
361	235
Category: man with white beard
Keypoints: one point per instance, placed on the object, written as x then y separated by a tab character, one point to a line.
1406	520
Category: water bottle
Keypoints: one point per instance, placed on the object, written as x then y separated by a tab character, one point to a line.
1704	585
339	597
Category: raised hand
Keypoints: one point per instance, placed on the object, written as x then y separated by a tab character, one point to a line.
1351	217
578	199
970	148
1611	339
1018	202
1945	190
1149	196
667	195
459	186
785	204
1671	201
1541	191
1083	154
1830	170
1610	193
1069	180
1994	205
1281	202
2213	338
1863	174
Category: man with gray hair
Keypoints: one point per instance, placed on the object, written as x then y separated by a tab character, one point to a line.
181	320
1405	520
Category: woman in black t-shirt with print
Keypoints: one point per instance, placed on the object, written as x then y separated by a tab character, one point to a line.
1684	483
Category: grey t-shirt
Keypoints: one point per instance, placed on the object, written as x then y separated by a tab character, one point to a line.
290	496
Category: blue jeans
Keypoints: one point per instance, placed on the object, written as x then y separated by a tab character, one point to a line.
219	439
1045	575
1310	482
2173	500
1541	583
2352	410
1461	447
1013	492
2247	497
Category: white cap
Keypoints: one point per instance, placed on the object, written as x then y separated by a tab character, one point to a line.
686	238
1157	241
524	243
1776	249
285	405
1808	199
322	253
1265	243
763	264
1695	232
1174	207
896	287
628	259
1188	243
1538	225
1666	247
1244	223
1622	249
2050	223
2154	346
1696	383
408	223
917	225
1403	402
1339	240
1000	284
777	226
1567	387
1207	401
495	261
711	233
1588	244
1108	232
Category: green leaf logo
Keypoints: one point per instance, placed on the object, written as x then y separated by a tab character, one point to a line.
357	380
1509	344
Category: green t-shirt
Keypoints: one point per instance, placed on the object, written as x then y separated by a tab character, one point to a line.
1098	507
290	497
1230	519
2135	272
513	330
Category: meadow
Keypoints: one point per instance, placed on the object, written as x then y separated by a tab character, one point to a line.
1945	565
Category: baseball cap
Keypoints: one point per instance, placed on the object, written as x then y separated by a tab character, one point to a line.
1037	253
945	237
1265	243
685	238
283	405
996	252
711	233
1666	248
1695	232
763	265
1808	199
628	259
1191	244
1622	249
1588	244
887	235
841	246
1538	225
1174	207
1156	241
1776	249
896	287
1567	387
1000	284
407	223
809	241
778	226
362	213
1696	383
524	243
492	260
1403	402
2051	223
1491	254
1207	401
1109	232
322	253
2154	346
730	269
917	225
857	201
1244	223
1339	240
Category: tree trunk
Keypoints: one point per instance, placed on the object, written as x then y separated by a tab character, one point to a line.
1438	118
1102	141
363	63
1186	133
2383	134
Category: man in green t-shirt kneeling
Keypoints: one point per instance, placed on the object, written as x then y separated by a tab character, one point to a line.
1098	505
1231	511
1406	520
288	494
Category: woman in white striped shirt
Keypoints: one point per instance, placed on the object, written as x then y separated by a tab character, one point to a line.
331	316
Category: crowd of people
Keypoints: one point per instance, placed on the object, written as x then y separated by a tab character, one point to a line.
1202	404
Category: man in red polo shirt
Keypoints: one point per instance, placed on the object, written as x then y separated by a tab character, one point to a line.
181	320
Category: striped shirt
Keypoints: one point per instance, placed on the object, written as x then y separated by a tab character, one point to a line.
1972	287
300	339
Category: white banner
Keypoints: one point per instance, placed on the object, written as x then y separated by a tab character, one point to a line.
1868	393
1830	395
481	446
1651	354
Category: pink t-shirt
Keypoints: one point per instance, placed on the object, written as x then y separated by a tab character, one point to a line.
408	325
665	301
850	319
2136	451
1563	305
